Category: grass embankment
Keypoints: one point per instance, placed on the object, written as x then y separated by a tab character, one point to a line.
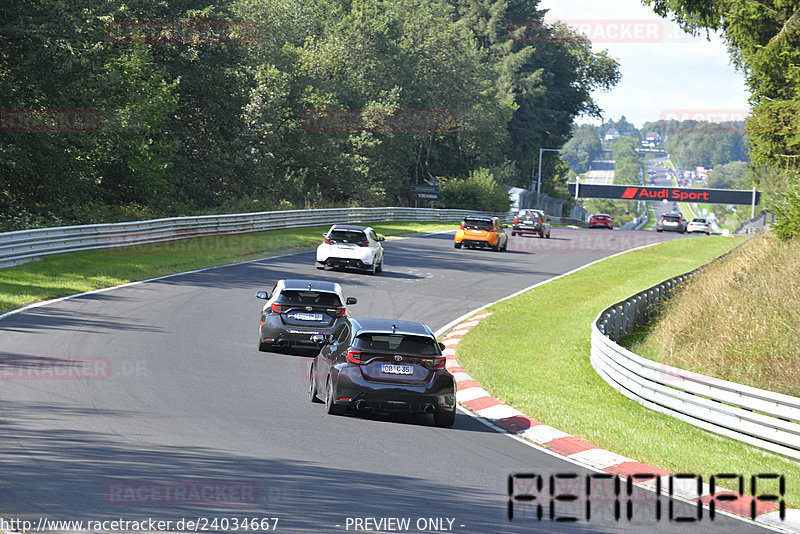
740	321
67	274
538	362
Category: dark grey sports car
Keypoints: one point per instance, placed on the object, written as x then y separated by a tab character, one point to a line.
299	309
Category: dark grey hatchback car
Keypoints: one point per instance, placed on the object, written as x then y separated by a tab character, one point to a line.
382	365
297	310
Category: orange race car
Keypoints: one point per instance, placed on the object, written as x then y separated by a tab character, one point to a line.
482	231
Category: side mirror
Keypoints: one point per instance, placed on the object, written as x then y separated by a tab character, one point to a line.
263	295
505	226
351	300
441	346
381	238
324	235
319	339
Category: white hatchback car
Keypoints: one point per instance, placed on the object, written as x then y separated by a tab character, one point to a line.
698	225
347	245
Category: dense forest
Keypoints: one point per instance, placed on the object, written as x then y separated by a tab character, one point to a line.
128	109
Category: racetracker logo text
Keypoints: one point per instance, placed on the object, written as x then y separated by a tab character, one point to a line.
378	120
62	120
181	32
201	493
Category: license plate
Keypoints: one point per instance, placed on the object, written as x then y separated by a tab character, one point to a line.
308	316
670	223
475	231
394	369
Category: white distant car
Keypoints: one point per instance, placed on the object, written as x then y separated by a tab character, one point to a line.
347	245
698	225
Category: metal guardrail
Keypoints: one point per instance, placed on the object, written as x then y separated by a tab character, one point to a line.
757	224
755	416
26	245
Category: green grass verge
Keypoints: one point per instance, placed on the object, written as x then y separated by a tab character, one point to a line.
67	274
533	354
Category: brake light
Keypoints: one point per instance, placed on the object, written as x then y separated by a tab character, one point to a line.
276	307
439	362
341	312
462	226
540	221
516	220
354	356
365	243
326	241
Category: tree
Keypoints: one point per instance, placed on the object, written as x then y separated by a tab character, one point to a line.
581	150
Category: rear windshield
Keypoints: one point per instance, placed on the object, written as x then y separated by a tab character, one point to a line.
601	216
478	224
673	217
531	215
699	220
347	236
397	343
310	298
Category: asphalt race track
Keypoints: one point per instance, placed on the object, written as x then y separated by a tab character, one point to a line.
175	399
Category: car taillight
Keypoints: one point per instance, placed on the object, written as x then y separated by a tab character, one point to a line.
516	220
365	243
462	226
326	241
341	311
540	221
436	363
354	356
276	307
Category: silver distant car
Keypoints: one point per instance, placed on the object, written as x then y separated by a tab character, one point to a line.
698	224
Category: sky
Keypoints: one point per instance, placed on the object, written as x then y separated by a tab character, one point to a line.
666	73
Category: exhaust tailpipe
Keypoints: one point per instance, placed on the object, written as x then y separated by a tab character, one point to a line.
429	409
360	404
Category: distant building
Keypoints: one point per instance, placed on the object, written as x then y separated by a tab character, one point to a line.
611	134
653	137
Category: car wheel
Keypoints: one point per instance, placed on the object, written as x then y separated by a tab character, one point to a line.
263	346
321	266
331	407
444	418
312	385
548	235
659	231
496	248
505	246
513	234
379	268
708	233
457	245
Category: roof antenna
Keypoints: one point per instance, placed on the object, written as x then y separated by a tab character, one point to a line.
309	286
394	327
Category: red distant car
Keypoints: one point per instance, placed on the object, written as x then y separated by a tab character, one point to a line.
601	219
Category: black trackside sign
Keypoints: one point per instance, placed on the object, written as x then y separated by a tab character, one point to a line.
671	194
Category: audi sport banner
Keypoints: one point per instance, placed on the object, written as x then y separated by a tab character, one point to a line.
671	194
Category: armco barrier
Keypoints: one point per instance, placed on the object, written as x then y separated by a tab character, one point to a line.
26	245
755	416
